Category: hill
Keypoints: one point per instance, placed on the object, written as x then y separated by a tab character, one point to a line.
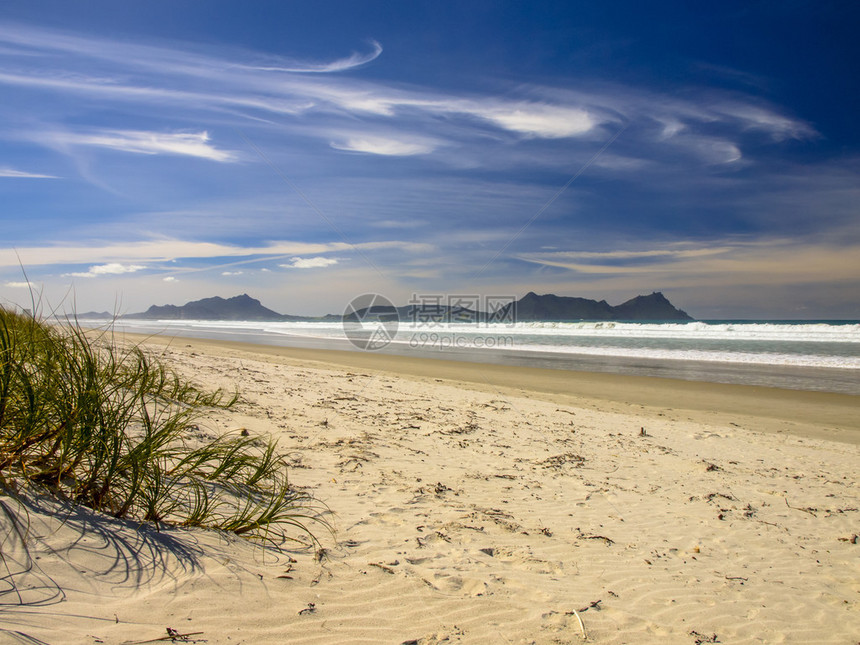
531	307
242	307
655	307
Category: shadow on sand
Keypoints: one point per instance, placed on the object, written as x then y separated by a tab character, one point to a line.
43	540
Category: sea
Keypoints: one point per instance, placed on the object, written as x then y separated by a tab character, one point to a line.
818	355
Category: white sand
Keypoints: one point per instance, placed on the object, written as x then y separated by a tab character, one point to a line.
481	513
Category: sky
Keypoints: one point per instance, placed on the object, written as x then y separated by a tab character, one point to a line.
309	152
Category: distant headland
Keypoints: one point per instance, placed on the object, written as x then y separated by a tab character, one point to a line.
531	307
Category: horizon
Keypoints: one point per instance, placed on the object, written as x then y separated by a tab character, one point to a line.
154	153
517	298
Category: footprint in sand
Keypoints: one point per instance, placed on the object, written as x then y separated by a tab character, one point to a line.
466	587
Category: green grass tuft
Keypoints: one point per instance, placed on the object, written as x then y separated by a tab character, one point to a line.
109	426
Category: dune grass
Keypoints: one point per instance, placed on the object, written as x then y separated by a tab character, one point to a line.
111	427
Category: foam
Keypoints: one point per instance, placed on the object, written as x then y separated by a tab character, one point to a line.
815	344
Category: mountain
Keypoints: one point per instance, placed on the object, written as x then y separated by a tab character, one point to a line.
242	307
95	315
653	307
553	307
529	307
563	308
421	313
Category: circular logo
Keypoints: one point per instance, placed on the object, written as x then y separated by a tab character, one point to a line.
370	321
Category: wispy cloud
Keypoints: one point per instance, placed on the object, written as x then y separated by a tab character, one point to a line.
309	263
352	61
539	120
192	144
755	117
678	250
21	174
114	268
711	150
118	255
26	40
766	262
158	250
17	285
384	146
165	78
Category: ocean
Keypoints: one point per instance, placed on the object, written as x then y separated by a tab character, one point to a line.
805	355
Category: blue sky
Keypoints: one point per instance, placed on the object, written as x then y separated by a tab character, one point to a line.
305	153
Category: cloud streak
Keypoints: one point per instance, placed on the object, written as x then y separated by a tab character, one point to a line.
191	144
385	146
21	174
772	262
539	120
165	250
356	59
104	69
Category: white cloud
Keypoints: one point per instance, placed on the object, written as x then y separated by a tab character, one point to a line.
113	268
17	285
229	273
548	121
678	250
10	172
384	146
711	150
166	250
170	278
236	82
716	151
160	250
343	64
759	118
32	41
144	142
671	127
309	263
783	262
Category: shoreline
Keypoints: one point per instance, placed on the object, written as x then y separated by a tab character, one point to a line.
842	379
819	415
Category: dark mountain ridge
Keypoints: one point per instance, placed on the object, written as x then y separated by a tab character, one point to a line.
242	307
549	307
531	307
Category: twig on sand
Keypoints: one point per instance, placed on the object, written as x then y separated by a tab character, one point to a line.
583	536
581	625
385	568
173	635
808	509
704	638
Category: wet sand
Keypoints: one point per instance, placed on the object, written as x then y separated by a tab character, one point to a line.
815	414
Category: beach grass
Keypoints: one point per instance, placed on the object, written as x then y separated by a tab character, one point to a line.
110	426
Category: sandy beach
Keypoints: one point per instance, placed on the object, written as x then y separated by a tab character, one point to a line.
480	504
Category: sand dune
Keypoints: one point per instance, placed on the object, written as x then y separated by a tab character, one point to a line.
479	511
